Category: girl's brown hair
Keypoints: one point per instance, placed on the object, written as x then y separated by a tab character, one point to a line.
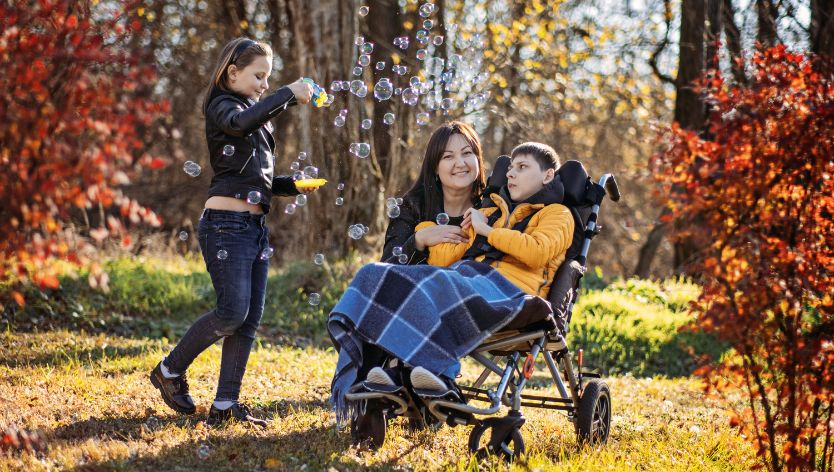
241	52
427	192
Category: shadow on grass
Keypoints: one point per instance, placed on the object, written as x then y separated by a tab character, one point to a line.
59	356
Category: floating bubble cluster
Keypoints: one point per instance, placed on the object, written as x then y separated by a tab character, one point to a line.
357	231
191	168
340	119
361	150
392	207
401	42
311	172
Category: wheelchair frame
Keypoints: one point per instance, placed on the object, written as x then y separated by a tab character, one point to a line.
588	404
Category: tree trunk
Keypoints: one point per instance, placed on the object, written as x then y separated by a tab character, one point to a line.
766	12
822	30
733	40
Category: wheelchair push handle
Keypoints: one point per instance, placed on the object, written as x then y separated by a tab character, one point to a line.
609	183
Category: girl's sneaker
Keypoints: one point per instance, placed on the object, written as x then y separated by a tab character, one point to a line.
174	391
238	411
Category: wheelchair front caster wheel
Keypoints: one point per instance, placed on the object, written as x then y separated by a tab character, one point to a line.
369	427
593	417
509	447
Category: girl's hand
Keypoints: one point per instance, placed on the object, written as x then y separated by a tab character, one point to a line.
302	91
435	235
307	190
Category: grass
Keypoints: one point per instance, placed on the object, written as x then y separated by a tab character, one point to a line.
90	395
74	365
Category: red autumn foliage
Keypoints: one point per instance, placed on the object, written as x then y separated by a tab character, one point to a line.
75	108
762	194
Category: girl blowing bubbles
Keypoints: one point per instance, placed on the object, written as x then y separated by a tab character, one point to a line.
233	236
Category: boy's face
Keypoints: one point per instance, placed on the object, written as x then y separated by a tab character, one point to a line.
251	81
525	177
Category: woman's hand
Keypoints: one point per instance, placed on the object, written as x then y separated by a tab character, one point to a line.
435	235
477	220
302	91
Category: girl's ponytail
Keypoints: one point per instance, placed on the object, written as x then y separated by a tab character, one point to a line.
241	52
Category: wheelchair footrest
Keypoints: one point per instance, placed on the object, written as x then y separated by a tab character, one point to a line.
439	394
381	388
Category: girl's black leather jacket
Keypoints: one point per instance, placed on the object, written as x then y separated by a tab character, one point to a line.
241	146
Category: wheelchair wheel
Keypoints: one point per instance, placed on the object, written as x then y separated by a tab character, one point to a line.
511	447
593	417
369	427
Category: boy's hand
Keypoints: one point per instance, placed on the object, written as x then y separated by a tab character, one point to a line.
302	90
478	221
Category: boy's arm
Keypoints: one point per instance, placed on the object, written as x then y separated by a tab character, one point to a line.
552	235
445	254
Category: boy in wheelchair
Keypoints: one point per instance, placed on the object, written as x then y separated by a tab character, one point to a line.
431	316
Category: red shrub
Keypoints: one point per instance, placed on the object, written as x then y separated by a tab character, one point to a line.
762	194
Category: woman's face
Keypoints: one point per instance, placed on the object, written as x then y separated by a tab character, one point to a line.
251	81
458	166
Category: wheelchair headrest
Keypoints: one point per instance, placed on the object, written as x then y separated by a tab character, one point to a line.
574	177
498	177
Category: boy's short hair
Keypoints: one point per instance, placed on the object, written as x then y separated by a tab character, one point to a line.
545	155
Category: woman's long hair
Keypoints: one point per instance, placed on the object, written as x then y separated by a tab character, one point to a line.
241	52
427	192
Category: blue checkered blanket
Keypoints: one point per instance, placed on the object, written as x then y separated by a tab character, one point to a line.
424	315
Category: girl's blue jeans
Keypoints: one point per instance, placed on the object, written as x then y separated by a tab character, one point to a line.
232	243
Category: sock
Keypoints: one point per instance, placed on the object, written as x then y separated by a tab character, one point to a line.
167	373
223	404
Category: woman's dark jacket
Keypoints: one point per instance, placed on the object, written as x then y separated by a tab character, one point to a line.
242	123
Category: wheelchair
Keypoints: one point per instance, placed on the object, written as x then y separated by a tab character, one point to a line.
511	355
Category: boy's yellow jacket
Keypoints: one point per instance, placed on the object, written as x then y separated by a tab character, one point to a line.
532	257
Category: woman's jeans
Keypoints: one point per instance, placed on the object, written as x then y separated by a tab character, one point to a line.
232	243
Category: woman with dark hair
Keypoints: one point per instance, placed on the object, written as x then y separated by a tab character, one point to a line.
451	181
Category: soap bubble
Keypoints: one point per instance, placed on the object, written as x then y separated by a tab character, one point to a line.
421	35
355	86
302	156
359	40
345	85
421	54
357	70
339	121
388	119
437	40
366	48
448	104
341	186
356	231
383	89
360	149
398	91
203	451
423	119
191	168
329	100
380	65
295	165
267	253
340	201
311	172
365	229
290	208
318	259
399	201
434	66
414	81
442	219
253	198
364	60
390	202
426	9
401	42
402	259
397	250
393	211
427	24
362	92
183	235
228	150
366	123
298	175
314	299
363	10
222	254
410	96
336	86
447	76
300	200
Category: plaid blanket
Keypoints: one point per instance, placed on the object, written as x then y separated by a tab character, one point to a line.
425	315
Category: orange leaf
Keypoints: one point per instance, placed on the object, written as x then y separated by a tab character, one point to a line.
18	297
